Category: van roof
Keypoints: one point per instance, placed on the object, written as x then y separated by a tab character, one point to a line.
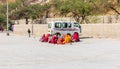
61	21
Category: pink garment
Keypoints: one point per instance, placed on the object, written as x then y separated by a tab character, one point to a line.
47	37
75	37
53	39
42	39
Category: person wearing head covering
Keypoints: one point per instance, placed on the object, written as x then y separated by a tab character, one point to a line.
50	38
75	37
60	40
42	39
54	39
47	37
67	39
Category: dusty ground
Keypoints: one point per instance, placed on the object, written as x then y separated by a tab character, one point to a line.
21	52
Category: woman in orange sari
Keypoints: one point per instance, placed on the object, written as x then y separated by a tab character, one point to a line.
60	40
67	39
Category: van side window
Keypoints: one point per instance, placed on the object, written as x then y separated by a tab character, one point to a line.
64	25
49	25
57	25
69	25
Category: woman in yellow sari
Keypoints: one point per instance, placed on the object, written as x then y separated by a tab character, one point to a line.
67	39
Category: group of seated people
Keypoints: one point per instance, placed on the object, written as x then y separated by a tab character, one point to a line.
60	39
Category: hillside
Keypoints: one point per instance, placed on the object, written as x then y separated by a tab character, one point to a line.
3	1
30	1
25	8
111	12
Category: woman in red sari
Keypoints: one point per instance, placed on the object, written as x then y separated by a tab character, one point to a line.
42	39
75	37
47	37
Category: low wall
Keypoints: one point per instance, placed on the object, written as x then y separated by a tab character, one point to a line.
38	29
88	30
101	30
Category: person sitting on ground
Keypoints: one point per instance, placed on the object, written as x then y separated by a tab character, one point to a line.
54	39
50	38
60	39
42	39
67	39
47	37
75	37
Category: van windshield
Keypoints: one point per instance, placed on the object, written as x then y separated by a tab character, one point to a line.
76	24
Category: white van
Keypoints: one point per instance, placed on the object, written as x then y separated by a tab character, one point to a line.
63	27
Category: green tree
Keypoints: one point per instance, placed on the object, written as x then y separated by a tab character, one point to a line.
78	8
2	20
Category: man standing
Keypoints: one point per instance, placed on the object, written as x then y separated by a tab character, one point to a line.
29	32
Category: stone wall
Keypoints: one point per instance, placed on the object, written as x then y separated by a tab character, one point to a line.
38	29
88	30
101	30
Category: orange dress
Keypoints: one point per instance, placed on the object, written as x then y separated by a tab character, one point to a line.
60	41
67	39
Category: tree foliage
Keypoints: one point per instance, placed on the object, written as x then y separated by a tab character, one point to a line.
78	9
82	8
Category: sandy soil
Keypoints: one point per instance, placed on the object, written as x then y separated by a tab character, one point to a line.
21	52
